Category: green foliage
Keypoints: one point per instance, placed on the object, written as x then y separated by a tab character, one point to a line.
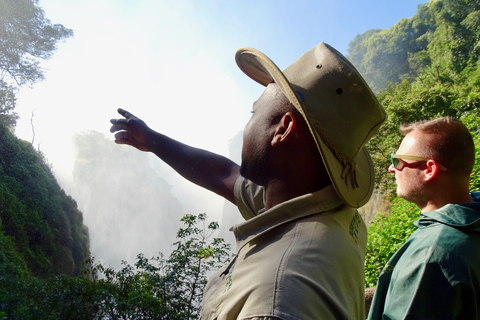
386	235
436	73
189	263
7	105
26	37
156	288
50	299
440	40
42	226
410	102
473	124
423	68
12	263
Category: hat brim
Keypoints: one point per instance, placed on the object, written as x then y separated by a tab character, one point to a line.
260	68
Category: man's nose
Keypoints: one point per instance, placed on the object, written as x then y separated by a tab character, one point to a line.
391	169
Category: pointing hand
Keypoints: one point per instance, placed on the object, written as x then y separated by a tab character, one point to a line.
132	131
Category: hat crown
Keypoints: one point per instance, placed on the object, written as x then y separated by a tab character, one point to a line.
335	100
340	109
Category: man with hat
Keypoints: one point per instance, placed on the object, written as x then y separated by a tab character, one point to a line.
304	170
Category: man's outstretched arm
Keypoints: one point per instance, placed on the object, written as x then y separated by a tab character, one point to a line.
206	169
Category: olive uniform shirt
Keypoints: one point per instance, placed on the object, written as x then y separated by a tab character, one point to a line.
300	260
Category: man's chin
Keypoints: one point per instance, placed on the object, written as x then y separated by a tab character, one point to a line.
400	194
250	175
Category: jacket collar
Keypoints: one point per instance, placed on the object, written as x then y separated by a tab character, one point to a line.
455	215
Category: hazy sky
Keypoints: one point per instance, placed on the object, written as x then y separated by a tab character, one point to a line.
172	64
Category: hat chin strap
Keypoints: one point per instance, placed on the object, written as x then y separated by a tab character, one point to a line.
349	173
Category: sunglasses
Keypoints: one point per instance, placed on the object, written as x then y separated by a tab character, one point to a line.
399	164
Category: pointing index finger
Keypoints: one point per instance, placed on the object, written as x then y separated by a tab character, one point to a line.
125	113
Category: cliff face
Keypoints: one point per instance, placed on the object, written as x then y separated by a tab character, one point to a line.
127	199
41	229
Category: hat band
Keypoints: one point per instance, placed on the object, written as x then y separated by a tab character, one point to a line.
349	173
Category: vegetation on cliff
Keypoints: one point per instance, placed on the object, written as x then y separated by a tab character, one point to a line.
41	229
424	67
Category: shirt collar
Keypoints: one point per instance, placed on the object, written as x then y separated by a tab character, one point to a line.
323	200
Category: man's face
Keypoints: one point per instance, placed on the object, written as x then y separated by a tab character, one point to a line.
409	179
257	137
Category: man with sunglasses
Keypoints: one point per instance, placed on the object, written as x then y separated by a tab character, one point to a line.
436	273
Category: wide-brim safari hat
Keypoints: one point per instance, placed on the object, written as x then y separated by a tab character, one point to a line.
340	109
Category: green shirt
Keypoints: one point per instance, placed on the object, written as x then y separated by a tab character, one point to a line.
436	273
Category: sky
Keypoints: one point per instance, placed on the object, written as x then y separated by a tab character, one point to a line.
172	64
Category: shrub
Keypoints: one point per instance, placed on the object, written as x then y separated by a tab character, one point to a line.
386	235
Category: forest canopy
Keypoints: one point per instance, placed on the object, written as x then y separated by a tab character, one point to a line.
26	38
424	67
41	229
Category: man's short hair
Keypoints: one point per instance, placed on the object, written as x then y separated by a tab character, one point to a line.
447	141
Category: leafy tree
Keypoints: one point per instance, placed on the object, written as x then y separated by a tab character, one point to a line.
190	262
410	102
387	233
473	124
7	105
358	47
442	36
26	37
423	67
442	77
173	288
155	288
384	56
41	223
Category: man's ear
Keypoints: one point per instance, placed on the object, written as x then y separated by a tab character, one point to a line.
285	129
431	170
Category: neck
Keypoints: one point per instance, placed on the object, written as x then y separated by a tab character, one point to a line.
278	191
439	198
434	205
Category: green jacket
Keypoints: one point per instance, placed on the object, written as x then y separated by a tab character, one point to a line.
436	273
